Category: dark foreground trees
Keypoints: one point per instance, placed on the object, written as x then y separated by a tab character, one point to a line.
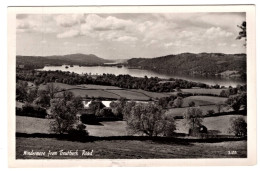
149	119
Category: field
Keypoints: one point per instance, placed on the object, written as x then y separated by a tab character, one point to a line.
179	111
203	100
94	93
118	128
219	123
203	91
32	125
107	91
130	149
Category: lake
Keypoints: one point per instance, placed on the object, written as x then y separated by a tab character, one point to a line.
99	70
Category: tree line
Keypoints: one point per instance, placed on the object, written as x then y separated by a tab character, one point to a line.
152	84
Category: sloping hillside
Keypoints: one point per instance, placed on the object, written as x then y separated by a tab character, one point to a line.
192	64
72	59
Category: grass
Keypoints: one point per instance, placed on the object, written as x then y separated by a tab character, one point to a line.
106	91
106	129
118	128
219	123
32	125
203	91
179	111
151	94
60	85
94	93
203	100
128	94
129	149
92	86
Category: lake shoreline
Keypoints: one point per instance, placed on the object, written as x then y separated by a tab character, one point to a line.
134	72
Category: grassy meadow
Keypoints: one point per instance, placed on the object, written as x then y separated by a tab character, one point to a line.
202	91
105	148
130	149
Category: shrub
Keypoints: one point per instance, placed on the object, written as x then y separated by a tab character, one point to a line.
32	111
238	126
80	130
191	104
178	102
88	119
193	117
210	112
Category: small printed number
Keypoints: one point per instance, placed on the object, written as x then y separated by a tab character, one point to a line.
232	152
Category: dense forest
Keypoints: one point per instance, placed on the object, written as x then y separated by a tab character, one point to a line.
193	64
33	62
124	81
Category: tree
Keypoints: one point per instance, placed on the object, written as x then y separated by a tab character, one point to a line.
118	107
178	102
237	101
52	89
96	106
32	95
149	119
242	33
64	112
21	90
219	106
106	112
43	99
127	109
193	117
191	104
210	112
238	126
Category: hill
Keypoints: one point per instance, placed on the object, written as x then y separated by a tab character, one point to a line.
193	64
72	59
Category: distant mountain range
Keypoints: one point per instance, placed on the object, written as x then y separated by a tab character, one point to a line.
72	59
185	63
194	64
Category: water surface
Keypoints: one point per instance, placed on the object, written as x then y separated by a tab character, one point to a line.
100	70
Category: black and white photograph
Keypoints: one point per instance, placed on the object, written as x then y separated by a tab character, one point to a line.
132	83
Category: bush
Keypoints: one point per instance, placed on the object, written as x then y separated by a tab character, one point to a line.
191	104
32	111
88	118
210	112
238	126
80	130
178	102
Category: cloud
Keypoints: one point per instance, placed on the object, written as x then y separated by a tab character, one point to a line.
82	45
216	32
167	45
222	44
126	38
69	33
94	22
233	45
35	23
69	20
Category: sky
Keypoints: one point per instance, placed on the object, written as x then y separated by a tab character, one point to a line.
123	36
